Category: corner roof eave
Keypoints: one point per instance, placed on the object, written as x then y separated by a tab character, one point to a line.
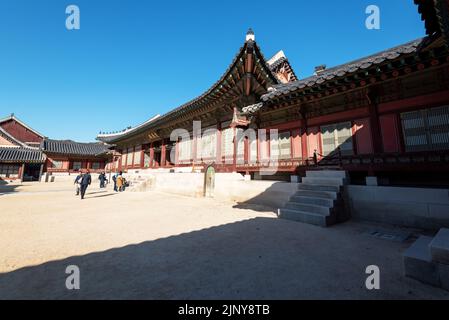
193	104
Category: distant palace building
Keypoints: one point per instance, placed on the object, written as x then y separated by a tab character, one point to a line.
26	154
384	115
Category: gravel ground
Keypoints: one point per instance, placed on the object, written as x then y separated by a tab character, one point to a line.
159	246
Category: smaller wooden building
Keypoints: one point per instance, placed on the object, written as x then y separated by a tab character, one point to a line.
70	156
25	154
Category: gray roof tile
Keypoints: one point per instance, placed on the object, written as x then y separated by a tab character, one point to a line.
345	69
21	155
70	147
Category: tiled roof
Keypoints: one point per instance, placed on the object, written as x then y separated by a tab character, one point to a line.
21	155
107	137
70	147
252	108
195	103
279	59
435	14
345	69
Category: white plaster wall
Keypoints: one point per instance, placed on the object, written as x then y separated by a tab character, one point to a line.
228	187
412	207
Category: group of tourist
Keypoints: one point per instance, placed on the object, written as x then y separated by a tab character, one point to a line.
84	179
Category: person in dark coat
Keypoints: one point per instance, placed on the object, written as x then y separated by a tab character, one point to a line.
85	182
77	182
103	180
114	179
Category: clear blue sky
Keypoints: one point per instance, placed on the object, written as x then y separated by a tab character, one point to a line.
133	59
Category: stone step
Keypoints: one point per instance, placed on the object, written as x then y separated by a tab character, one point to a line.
326	174
307	217
324	181
439	247
418	262
313	200
318	194
306	186
308	208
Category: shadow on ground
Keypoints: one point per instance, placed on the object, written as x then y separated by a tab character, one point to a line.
6	187
260	258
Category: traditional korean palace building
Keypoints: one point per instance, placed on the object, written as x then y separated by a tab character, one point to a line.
26	154
384	115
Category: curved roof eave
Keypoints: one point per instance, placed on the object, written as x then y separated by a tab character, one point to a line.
192	103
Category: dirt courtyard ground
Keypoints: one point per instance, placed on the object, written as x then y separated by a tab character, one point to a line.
160	246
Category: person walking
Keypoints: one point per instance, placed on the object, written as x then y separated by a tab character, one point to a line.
77	182
114	179
103	180
85	182
120	182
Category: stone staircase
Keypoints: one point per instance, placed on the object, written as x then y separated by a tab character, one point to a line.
318	200
427	260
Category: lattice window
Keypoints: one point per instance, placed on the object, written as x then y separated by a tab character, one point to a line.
253	149
146	160
426	129
227	143
207	145
96	166
335	136
280	148
57	164
76	165
9	171
185	150
137	156
129	158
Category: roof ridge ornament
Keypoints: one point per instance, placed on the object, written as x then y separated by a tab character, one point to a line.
250	36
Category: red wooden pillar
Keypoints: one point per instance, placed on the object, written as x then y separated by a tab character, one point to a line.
246	150
234	159
304	143
375	124
119	163
151	155
163	151
142	156
21	172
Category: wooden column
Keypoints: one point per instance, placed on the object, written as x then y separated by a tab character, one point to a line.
120	164
142	156
246	147
22	172
151	155
304	144
234	160
374	122
163	150
41	171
